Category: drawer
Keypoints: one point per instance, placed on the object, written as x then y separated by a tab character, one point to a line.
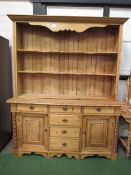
31	108
101	110
65	109
64	120
57	144
64	132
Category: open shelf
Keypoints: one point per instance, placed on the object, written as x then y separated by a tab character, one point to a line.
65	73
68	85
73	97
66	52
67	63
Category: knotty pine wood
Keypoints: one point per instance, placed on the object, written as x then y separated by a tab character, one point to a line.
83	19
66	72
60	76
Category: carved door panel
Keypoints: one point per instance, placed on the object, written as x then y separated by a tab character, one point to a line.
32	131
97	132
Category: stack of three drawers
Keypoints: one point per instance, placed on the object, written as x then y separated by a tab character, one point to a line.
64	130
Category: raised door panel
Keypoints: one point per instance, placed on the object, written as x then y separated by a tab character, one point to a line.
32	131
97	132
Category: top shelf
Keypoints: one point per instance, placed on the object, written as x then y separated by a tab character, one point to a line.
66	52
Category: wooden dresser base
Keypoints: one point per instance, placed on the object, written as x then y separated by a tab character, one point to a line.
57	130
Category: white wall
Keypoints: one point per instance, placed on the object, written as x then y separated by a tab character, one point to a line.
126	45
125	67
12	7
74	11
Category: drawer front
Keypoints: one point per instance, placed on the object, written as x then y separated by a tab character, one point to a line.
31	108
101	110
65	120
64	132
64	144
65	109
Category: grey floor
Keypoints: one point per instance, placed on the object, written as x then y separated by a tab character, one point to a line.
8	148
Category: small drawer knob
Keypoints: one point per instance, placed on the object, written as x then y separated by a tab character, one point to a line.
32	107
64	132
65	120
98	109
64	144
65	108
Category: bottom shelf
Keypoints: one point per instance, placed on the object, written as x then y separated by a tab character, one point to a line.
67	85
75	97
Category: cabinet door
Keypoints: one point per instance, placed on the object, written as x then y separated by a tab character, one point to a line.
32	131
97	131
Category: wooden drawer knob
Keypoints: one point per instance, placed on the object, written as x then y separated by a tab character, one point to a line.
64	132
64	144
65	108
31	107
98	109
65	120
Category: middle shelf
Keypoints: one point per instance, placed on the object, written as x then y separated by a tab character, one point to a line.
67	52
66	73
67	64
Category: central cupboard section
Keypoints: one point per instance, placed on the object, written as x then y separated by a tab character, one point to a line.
66	63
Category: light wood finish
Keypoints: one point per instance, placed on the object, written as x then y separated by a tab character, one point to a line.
65	109
96	20
31	132
55	27
31	108
66	102
65	145
64	119
79	58
66	72
56	131
96	132
99	110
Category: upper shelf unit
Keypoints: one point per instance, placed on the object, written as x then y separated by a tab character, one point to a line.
74	57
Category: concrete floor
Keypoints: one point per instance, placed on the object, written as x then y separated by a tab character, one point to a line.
8	148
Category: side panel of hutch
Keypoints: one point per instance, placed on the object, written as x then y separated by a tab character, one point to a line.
66	85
